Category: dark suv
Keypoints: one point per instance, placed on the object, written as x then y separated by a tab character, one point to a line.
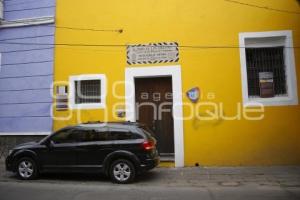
120	150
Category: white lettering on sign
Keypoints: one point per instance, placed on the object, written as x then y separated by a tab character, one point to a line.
156	96
152	53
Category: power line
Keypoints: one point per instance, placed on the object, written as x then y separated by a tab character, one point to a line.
20	3
27	37
29	89
29	76
25	9
8	0
22	103
34	116
224	47
65	44
262	7
89	29
123	45
68	27
35	49
25	63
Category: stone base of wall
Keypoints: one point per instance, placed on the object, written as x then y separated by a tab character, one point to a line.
8	142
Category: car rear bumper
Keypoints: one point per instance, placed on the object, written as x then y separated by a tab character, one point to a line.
150	164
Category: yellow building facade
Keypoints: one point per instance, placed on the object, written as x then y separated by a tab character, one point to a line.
218	41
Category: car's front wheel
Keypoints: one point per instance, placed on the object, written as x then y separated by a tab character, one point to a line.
122	171
27	169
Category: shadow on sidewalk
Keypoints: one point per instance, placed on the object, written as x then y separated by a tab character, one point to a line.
83	177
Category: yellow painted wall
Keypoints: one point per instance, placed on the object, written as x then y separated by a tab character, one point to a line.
275	140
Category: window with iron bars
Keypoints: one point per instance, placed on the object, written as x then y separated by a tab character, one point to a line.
269	59
87	91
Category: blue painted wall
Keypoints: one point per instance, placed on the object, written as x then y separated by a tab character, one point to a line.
26	72
18	9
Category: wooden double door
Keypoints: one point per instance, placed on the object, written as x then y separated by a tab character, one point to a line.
154	107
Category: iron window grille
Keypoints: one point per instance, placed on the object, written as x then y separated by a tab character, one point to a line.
87	91
269	59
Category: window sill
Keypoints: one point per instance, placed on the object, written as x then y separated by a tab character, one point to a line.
275	101
87	106
27	22
23	133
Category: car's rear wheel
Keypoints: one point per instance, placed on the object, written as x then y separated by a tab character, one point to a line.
122	171
27	169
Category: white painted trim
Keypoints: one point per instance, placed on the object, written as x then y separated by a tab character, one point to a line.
158	71
23	133
72	80
283	38
27	22
1	10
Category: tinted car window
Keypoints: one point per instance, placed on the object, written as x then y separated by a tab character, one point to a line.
89	134
147	131
98	135
81	135
122	134
64	136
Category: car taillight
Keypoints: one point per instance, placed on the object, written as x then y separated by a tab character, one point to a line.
148	145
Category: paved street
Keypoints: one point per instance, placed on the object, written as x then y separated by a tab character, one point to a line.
65	191
162	183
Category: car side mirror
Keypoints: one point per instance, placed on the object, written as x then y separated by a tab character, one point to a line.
49	143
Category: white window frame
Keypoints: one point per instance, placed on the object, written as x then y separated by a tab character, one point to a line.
25	133
1	10
82	77
270	39
27	22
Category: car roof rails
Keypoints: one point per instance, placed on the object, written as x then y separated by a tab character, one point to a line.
92	122
115	122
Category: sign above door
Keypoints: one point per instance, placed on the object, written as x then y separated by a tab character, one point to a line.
164	52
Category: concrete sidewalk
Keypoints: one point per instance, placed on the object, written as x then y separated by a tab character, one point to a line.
285	176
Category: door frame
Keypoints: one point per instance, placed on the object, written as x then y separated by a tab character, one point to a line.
159	71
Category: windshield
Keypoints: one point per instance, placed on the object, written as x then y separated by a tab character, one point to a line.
43	140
